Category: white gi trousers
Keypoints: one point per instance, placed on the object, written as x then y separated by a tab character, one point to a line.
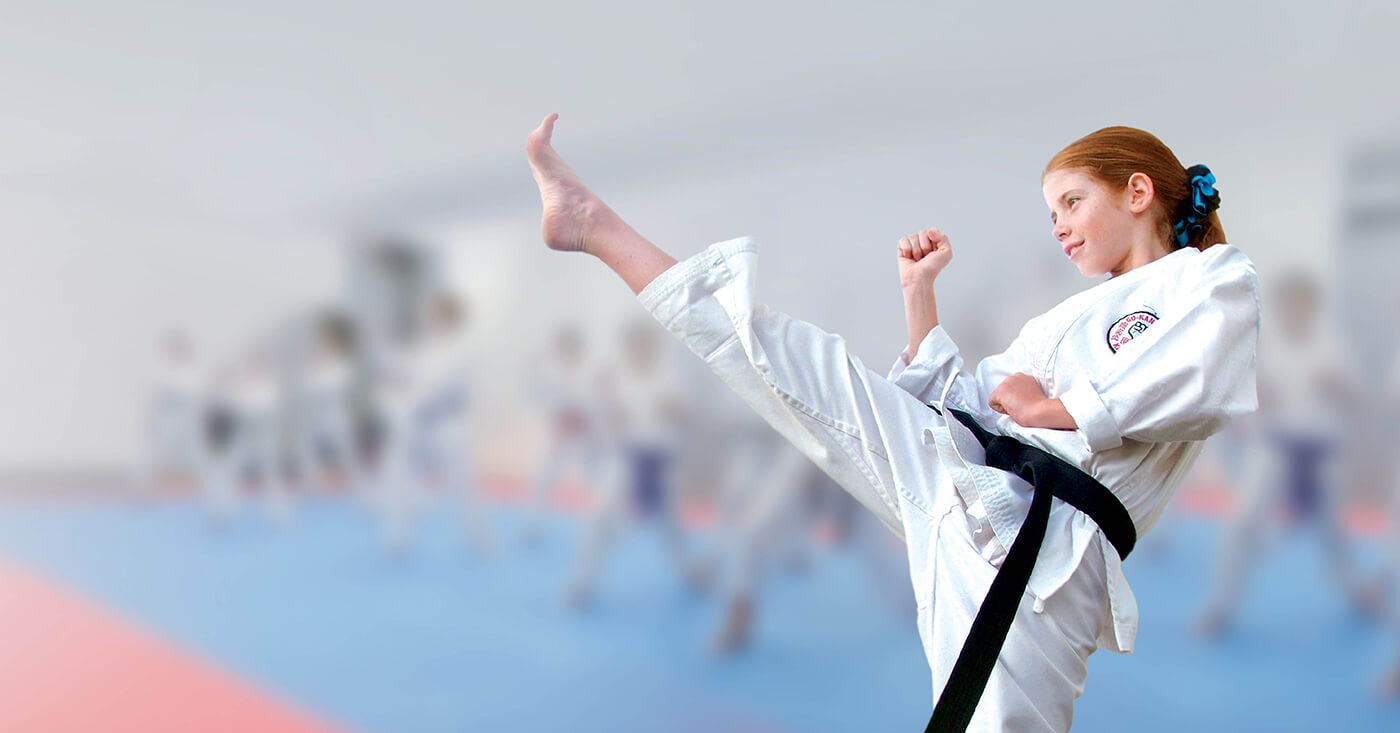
867	434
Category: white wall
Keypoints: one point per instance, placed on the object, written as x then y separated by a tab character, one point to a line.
182	164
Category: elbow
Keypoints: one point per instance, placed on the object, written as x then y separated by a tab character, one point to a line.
1202	424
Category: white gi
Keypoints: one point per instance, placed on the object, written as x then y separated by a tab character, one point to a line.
173	424
262	405
1307	383
326	424
1148	363
566	389
641	413
425	398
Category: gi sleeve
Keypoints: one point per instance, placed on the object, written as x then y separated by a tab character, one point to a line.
937	360
1188	374
924	375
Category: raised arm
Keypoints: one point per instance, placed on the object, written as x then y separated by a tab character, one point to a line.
922	256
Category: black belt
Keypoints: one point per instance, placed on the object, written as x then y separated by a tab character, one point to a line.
1050	476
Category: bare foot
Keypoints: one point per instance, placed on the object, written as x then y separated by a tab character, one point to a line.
570	209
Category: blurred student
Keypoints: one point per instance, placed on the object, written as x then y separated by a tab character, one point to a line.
325	445
643	411
563	384
1293	448
172	446
761	520
425	401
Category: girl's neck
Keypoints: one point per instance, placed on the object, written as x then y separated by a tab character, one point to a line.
1141	254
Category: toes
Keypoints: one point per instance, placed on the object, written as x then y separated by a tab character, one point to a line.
542	134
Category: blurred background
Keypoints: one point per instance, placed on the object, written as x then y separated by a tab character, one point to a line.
302	428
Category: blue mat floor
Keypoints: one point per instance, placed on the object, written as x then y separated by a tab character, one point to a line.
443	639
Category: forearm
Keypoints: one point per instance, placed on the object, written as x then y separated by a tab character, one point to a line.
1047	413
920	313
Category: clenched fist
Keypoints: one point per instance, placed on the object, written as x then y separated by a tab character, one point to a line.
1021	397
922	255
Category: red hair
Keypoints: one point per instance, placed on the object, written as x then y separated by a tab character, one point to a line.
1112	155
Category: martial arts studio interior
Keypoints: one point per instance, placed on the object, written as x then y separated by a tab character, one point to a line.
302	428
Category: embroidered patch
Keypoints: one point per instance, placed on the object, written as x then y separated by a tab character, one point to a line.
1127	328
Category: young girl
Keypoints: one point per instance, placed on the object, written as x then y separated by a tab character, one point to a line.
1100	403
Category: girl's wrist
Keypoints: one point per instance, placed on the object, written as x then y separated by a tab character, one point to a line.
1046	413
918	289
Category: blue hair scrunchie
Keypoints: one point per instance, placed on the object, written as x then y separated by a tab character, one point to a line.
1201	200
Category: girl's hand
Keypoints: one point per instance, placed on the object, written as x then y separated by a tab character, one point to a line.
1020	396
1016	393
922	256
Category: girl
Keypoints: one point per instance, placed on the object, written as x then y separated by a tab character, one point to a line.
1100	403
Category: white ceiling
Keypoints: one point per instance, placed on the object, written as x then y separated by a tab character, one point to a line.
263	110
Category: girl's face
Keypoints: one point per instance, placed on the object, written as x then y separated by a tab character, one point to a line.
1099	230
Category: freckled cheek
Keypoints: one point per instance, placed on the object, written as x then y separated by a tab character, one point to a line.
1089	225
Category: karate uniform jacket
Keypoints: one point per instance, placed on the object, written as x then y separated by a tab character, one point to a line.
1149	364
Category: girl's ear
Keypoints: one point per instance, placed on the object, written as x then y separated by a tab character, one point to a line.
1141	192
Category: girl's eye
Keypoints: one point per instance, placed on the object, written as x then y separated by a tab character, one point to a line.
1073	200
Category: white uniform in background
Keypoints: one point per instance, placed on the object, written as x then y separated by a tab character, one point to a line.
174	439
397	495
575	432
640	419
1148	363
1292	457
220	482
1391	564
425	401
257	403
325	432
761	516
762	511
1381	594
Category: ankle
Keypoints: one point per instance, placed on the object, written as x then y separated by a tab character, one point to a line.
600	230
